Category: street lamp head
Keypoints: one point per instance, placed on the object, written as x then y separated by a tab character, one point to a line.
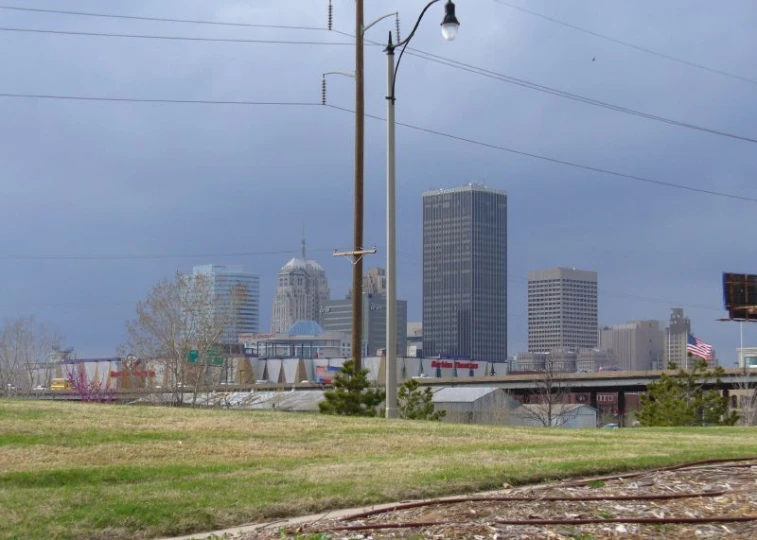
450	24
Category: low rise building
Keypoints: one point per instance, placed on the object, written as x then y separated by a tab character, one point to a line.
304	339
560	415
475	405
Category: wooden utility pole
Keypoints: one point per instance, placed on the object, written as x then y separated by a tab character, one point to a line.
357	267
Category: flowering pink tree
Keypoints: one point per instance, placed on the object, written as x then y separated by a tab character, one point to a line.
88	389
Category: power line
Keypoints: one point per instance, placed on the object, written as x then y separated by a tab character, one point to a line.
627	44
603	292
418	53
409	126
411	259
559	161
69	257
559	93
172	38
575	97
415	52
160	19
150	100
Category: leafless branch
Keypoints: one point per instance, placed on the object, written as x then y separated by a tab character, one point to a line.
183	315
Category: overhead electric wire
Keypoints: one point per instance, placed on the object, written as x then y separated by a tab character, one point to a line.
560	161
160	19
575	97
411	260
415	52
627	44
172	38
556	92
409	126
158	100
602	292
147	256
408	259
70	257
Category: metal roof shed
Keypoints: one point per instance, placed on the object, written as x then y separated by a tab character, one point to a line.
478	405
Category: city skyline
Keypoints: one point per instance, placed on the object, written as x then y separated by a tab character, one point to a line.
107	197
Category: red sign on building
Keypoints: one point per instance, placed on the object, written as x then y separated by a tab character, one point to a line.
451	364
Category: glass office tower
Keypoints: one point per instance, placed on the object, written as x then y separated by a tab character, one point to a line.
465	273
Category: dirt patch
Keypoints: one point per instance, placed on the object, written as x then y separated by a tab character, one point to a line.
701	501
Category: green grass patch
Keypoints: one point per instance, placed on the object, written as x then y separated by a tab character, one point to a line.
73	470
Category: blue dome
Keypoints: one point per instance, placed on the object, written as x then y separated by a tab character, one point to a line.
305	328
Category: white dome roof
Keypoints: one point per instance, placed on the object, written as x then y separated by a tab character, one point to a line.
298	262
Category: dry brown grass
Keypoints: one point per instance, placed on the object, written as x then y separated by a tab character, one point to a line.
96	471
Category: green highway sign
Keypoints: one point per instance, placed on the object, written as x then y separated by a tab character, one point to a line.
214	356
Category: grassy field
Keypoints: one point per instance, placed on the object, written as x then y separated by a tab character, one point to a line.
111	471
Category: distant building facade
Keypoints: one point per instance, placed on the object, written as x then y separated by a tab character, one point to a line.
595	360
374	282
465	273
301	293
565	360
562	309
748	358
636	346
224	279
676	335
337	317
415	339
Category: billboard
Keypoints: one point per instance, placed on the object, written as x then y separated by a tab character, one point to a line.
740	295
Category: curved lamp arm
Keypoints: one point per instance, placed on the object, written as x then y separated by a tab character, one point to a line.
450	16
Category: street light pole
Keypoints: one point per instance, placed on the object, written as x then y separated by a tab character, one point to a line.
391	242
449	31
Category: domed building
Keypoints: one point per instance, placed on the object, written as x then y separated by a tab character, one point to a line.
301	293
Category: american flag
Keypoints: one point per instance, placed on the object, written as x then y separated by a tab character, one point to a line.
699	348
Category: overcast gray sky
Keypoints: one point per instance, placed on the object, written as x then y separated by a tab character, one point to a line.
101	199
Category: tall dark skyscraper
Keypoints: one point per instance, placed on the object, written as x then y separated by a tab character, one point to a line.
465	273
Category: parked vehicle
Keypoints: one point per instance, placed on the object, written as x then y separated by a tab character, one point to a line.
61	385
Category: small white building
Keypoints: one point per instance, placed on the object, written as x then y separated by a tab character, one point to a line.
747	358
561	415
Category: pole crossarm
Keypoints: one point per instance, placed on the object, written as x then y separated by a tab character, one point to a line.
356	255
350	74
367	27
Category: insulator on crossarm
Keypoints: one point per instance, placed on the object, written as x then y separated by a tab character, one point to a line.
397	22
331	15
323	90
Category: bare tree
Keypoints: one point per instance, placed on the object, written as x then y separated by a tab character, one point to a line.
25	345
746	395
548	404
179	328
